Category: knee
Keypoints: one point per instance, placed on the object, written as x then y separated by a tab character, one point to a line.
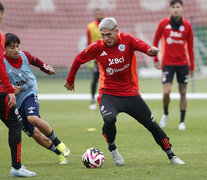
109	119
36	134
167	92
183	93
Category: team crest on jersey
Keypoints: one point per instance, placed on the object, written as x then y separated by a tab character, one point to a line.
121	47
181	28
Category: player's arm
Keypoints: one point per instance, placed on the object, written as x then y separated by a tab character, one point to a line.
141	46
4	79
40	64
86	55
190	51
157	37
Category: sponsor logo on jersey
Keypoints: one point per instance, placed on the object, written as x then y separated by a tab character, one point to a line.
175	34
169	40
103	53
121	47
116	61
111	71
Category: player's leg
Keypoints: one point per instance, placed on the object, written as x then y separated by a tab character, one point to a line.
47	143
167	78
31	109
109	108
182	78
137	108
13	121
40	138
94	86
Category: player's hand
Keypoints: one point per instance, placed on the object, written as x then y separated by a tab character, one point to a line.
51	70
158	65
12	100
70	87
17	90
153	51
191	73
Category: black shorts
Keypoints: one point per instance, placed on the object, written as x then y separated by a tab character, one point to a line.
29	107
181	74
9	116
132	105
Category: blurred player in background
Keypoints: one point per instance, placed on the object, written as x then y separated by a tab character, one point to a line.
177	38
18	69
119	90
10	115
93	34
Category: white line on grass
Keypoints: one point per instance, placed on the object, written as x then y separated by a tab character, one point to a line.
150	96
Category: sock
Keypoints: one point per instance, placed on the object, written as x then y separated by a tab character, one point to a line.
166	110
182	115
111	146
54	149
170	153
54	138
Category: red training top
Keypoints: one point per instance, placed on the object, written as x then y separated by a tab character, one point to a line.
175	44
117	64
5	84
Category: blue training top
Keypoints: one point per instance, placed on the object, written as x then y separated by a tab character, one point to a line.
22	77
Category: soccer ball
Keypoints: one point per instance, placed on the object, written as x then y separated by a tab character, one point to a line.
93	158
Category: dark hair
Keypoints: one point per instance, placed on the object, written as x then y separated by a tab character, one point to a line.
173	2
1	7
11	38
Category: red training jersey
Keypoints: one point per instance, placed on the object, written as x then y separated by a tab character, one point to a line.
117	64
5	84
175	44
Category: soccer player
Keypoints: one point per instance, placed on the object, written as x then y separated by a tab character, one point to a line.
177	38
93	34
10	115
119	90
20	74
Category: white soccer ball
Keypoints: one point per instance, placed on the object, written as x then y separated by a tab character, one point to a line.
93	158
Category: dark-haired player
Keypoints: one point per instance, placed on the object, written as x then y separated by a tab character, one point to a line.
177	40
20	74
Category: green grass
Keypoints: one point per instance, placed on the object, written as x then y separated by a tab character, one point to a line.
53	85
143	157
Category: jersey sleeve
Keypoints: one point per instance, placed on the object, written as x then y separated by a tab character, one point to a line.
138	44
157	37
4	79
37	62
190	48
86	55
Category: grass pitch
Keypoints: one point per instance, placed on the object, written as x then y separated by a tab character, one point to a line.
144	159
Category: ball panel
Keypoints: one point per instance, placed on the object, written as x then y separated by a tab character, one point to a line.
93	158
